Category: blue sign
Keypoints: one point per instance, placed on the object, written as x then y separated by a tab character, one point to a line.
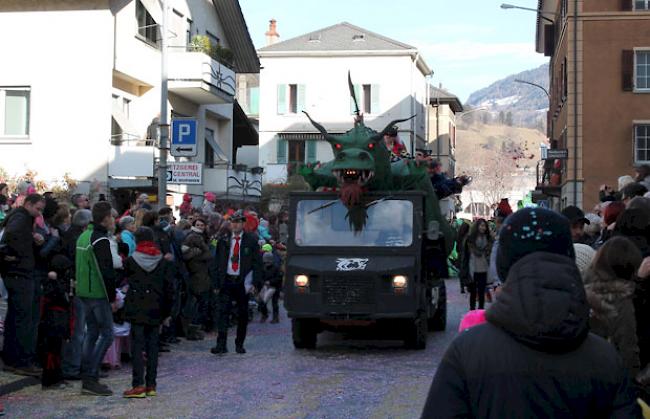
184	138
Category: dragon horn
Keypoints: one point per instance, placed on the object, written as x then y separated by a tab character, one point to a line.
353	94
319	127
391	123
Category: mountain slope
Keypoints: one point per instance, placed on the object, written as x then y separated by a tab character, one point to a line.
526	104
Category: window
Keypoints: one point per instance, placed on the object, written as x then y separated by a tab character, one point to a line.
642	144
389	223
189	31
642	70
291	98
281	156
641	4
253	100
214	39
209	151
14	111
126	107
367	98
148	29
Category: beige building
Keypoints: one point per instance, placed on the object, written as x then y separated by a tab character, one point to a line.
600	107
441	127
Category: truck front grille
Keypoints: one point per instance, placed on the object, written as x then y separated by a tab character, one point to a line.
348	291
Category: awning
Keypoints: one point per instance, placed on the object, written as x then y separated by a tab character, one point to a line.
216	148
303	136
244	133
129	131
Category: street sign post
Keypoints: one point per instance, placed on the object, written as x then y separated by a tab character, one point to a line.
184	138
185	173
557	154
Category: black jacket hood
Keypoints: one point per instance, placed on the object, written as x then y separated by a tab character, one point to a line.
543	304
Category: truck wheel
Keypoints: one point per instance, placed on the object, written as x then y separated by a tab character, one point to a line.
416	334
439	320
304	332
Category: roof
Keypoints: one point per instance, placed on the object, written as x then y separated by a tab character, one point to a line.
343	39
239	39
340	37
440	95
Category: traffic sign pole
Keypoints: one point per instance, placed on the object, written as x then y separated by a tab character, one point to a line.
164	126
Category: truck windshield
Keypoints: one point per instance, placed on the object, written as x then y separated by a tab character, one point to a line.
324	223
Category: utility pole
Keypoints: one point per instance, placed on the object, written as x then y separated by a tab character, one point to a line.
164	124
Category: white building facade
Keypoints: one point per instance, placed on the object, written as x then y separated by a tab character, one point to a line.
88	98
310	73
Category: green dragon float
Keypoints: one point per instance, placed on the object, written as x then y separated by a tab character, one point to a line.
362	162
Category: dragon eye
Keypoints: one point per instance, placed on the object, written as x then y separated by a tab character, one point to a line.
338	146
371	146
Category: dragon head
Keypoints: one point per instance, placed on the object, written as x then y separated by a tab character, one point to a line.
359	154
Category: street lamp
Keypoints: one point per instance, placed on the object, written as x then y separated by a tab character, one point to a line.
463	114
548	95
541	13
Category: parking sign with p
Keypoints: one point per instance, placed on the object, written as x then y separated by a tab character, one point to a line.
184	138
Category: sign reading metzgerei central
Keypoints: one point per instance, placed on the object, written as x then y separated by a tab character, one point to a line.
185	173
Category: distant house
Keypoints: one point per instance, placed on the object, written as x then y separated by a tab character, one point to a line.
310	73
441	133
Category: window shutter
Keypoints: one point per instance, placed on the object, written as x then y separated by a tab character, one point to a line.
282	151
301	98
311	151
626	5
374	99
357	92
628	70
549	40
282	99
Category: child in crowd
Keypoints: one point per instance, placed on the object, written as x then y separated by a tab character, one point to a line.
272	285
148	305
56	321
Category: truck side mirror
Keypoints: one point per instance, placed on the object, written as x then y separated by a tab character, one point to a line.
433	232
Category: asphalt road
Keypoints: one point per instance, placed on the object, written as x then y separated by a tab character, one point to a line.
343	378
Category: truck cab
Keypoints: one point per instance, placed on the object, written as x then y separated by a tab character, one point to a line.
339	279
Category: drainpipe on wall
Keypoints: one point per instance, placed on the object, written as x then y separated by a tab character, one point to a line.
575	102
413	102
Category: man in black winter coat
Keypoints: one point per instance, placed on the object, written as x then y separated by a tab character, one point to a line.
18	264
238	257
535	356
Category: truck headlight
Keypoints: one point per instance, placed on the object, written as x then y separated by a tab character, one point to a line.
400	282
301	281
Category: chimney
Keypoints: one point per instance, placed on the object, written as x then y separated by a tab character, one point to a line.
272	35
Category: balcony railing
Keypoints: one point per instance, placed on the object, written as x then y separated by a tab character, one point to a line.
200	78
130	157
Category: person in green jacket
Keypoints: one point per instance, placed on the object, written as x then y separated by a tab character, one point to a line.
95	288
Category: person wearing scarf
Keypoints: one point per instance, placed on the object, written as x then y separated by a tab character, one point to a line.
147	305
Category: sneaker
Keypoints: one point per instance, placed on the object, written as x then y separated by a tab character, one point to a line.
151	392
95	388
62	385
136	393
240	349
30	371
219	350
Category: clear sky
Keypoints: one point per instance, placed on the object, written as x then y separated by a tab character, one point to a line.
468	43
